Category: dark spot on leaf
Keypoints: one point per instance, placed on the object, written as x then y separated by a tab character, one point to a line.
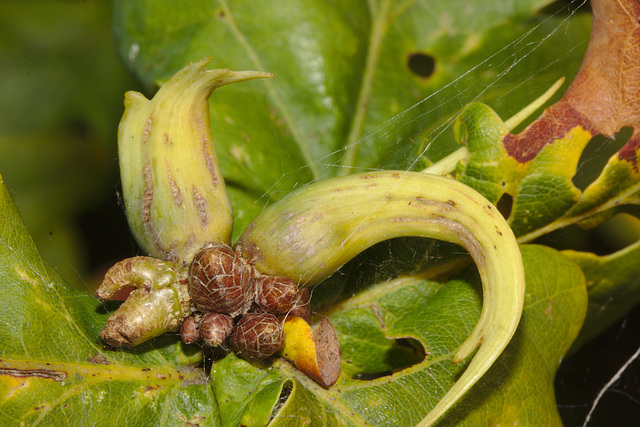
195	421
152	388
98	359
421	64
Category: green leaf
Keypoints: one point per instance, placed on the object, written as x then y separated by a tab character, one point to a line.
341	73
545	197
246	394
69	378
613	282
538	166
519	389
555	307
55	371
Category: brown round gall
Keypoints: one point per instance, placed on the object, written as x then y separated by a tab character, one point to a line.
276	294
220	281
257	336
215	328
189	331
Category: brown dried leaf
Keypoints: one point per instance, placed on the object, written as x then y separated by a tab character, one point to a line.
316	354
605	95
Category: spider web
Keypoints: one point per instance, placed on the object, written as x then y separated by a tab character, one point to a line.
624	382
421	112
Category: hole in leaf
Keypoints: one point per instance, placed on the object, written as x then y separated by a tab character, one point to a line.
421	64
404	353
596	155
284	395
505	204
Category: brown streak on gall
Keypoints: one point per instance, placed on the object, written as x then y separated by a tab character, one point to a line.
147	128
419	202
176	194
209	160
147	197
200	204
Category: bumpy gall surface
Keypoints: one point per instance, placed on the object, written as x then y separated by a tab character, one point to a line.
276	294
215	328
220	281
258	335
189	331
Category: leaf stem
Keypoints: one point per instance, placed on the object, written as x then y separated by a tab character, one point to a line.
447	164
522	115
566	221
380	25
104	369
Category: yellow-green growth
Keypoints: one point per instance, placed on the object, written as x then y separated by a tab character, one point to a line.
174	193
312	232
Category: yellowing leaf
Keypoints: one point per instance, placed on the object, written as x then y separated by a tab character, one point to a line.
316	353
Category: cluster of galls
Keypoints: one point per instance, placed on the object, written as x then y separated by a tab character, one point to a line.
236	302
